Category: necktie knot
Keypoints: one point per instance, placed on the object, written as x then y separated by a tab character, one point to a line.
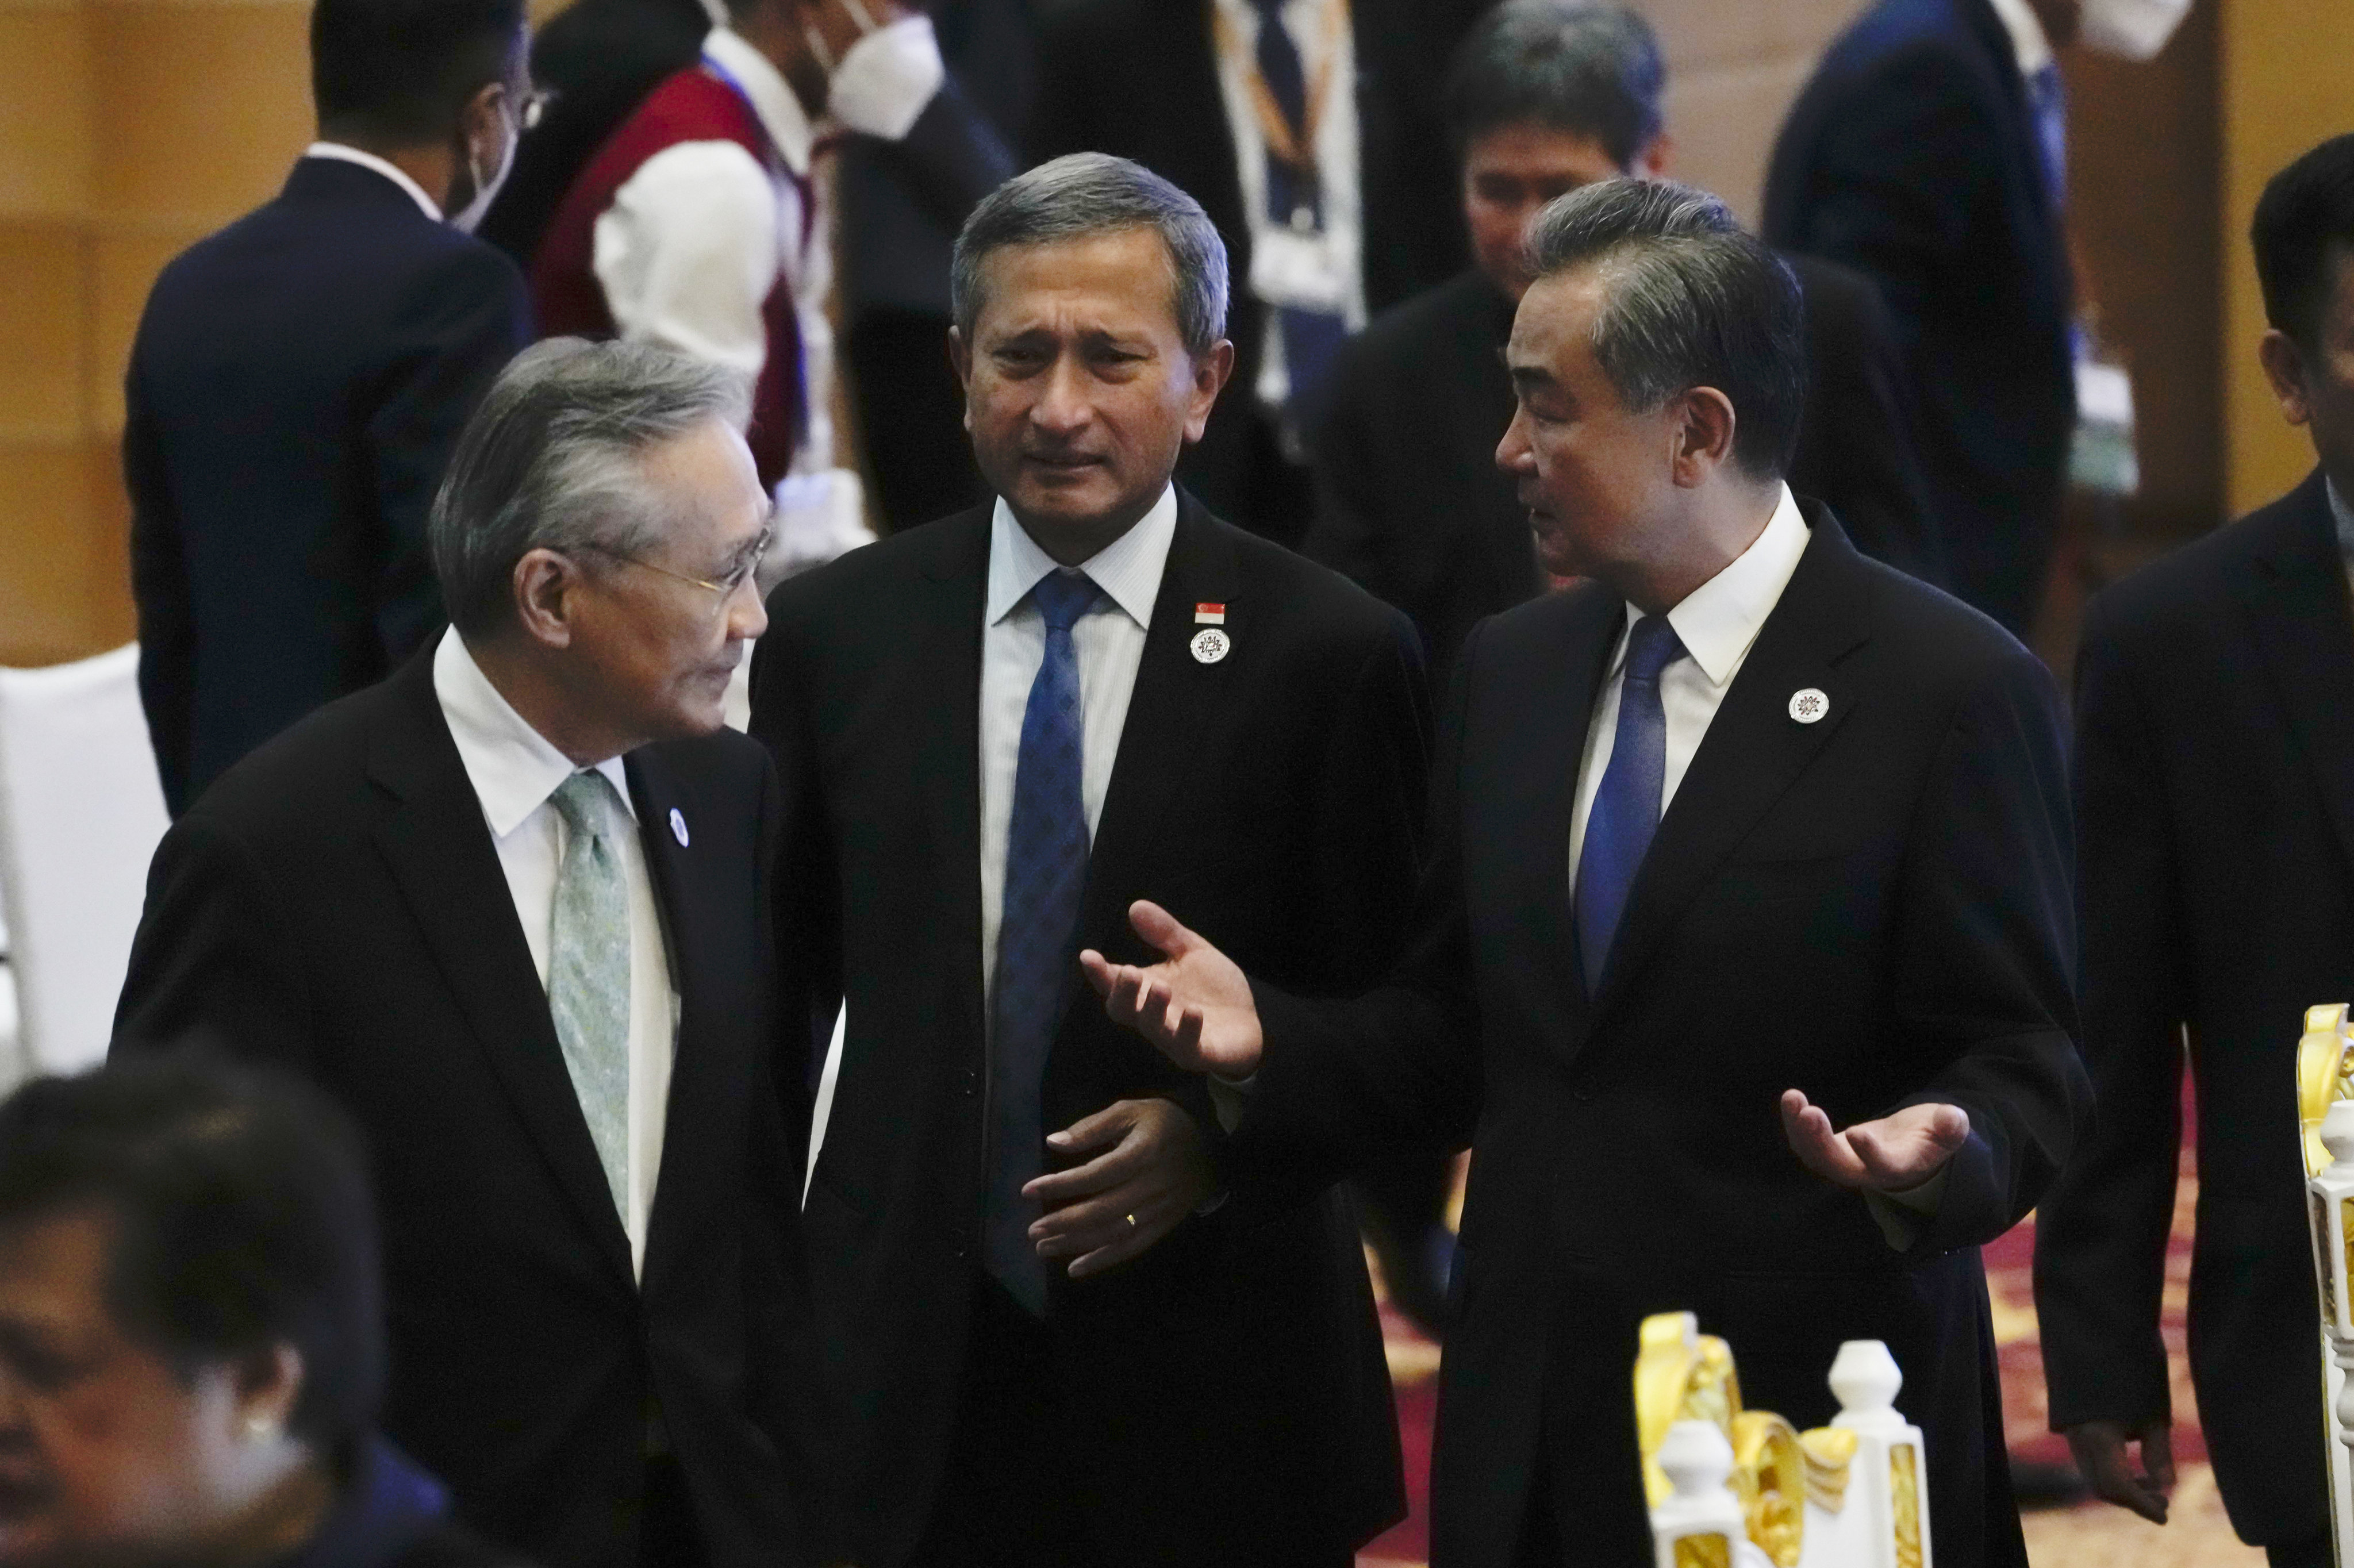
582	800
1062	597
1652	646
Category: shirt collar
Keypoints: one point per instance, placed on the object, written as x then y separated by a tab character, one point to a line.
764	86
2030	46
1718	620
512	766
1128	569
2342	515
390	171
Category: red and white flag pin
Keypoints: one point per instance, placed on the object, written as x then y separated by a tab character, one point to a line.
1210	644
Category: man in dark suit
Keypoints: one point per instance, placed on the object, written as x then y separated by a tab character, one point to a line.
507	906
299	378
1546	96
1046	1340
1745	814
1334	201
2215	797
1926	154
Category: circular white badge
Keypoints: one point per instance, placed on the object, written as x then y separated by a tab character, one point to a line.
1809	703
678	826
1209	645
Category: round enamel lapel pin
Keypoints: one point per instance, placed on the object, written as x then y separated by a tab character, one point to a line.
1808	704
1211	644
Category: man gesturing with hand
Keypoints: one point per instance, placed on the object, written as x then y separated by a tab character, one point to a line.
1744	957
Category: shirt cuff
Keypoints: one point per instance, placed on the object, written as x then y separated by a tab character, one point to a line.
888	79
1228	1097
1902	1215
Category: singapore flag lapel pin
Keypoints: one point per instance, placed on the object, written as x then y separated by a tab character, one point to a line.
1211	644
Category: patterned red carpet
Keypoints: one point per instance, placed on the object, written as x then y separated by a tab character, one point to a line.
2094	1533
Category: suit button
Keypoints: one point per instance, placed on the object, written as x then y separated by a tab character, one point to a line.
971	1084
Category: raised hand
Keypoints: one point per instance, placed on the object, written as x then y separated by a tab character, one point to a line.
1154	1170
1194	1004
1884	1156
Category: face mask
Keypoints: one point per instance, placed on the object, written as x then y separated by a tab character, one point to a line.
485	190
2131	29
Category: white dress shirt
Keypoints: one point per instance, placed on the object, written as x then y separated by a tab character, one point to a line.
699	236
1108	641
2030	45
514	771
388	169
1717	622
1321	31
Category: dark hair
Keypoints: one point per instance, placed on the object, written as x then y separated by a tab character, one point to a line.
1592	70
397	72
240	1218
553	458
1084	195
1690	302
2304	220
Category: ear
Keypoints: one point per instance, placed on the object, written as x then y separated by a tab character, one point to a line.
480	121
1210	374
2284	368
960	362
545	584
267	1384
1704	436
1654	159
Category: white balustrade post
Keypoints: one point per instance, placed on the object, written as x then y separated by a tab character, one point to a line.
2332	1198
1701	1522
1889	1478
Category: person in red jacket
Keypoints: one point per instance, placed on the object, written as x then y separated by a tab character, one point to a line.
698	225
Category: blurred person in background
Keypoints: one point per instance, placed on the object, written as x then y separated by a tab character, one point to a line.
1309	130
299	378
507	907
1928	152
697	224
2215	812
191	1340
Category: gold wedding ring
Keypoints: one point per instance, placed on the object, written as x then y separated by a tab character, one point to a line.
1132	1222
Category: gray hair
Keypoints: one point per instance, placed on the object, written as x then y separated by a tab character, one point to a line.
1083	195
1691	301
1592	70
553	459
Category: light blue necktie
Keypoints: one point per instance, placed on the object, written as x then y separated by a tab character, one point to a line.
1037	934
1627	803
589	970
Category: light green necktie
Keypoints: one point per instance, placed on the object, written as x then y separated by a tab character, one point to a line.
588	969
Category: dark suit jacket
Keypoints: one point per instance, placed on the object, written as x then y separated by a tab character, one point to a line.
390	1514
335	905
1228	1390
1140	79
598	59
1911	157
1412	505
296	386
2215	795
1873	909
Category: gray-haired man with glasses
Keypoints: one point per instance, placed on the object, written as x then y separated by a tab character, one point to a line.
508	906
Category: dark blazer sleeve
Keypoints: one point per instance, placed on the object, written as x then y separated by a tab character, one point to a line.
1984	953
460	323
211	963
2100	1238
1344	1080
1856	451
1893	196
950	158
159	586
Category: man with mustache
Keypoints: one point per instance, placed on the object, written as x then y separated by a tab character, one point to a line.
1044	1340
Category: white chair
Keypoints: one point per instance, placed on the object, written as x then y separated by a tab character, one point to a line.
80	813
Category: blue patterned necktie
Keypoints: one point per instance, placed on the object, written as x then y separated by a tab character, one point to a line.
1037	933
1311	338
1627	803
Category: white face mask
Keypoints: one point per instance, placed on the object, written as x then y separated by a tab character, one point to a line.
485	190
2131	29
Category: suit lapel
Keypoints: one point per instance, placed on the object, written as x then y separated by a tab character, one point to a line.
442	857
2295	596
1176	701
948	627
685	888
1752	752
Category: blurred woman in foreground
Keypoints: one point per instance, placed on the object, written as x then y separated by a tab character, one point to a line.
191	1344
